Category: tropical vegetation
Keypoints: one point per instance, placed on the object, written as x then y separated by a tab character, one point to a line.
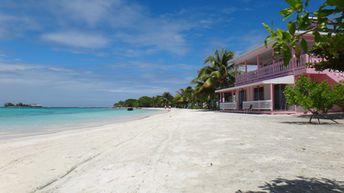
218	72
339	95
326	25
316	98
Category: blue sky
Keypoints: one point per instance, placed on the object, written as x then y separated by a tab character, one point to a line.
96	52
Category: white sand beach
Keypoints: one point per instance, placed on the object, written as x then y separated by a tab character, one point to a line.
180	151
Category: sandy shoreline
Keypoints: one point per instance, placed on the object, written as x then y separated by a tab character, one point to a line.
179	151
80	128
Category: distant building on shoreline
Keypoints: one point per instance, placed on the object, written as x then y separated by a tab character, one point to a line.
8	105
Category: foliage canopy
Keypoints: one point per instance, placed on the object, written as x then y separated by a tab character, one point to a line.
325	24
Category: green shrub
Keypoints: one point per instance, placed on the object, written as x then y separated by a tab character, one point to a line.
339	95
314	97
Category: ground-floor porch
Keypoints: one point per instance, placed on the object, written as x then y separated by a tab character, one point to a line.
261	97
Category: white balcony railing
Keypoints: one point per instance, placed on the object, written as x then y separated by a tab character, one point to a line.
259	105
228	106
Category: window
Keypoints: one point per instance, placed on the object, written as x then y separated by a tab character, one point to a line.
228	97
258	93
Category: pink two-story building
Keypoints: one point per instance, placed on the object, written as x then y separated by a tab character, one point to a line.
260	86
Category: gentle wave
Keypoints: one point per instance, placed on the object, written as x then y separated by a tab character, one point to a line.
37	120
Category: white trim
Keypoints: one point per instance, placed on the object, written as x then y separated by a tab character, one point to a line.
281	80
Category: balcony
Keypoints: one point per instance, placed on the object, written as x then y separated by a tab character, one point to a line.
274	70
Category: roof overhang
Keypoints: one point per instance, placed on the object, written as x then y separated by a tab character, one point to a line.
262	48
281	80
253	53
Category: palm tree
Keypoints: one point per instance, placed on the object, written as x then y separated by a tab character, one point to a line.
204	97
168	98
184	97
158	101
219	72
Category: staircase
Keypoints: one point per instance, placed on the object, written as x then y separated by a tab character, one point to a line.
335	75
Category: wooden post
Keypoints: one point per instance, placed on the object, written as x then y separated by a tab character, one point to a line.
245	66
293	60
220	97
237	99
272	97
258	61
232	99
258	65
273	57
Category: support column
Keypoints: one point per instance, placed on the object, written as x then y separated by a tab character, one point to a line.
232	97
258	65
272	97
237	99
273	57
294	60
258	61
245	66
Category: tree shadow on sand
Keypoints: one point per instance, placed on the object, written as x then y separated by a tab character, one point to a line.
301	185
330	119
307	123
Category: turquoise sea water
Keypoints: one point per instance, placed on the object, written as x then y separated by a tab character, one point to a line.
38	120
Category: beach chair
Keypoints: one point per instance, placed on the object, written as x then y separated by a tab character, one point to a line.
249	109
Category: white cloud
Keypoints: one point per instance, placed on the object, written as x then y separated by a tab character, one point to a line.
121	23
152	66
90	11
253	38
238	43
76	39
168	38
140	90
12	26
8	67
133	25
31	83
43	84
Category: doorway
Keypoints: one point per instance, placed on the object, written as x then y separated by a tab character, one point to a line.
280	102
242	98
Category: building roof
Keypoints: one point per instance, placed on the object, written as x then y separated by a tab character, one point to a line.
252	53
262	48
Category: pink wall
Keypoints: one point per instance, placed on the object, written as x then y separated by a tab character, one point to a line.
320	78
